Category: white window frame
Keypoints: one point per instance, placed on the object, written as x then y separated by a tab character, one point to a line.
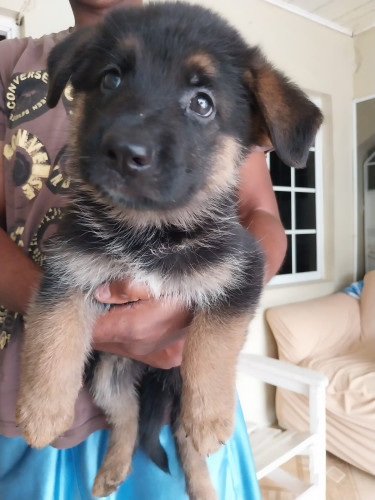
294	276
8	27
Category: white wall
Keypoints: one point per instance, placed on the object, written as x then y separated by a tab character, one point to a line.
322	61
364	76
43	16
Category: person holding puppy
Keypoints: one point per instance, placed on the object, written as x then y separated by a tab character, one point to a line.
139	327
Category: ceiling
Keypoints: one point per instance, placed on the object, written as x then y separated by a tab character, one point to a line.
349	16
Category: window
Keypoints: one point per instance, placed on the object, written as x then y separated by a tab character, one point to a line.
299	197
8	27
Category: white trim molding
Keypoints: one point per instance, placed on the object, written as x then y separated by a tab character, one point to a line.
312	17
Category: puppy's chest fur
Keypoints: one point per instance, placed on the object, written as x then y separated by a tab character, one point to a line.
197	264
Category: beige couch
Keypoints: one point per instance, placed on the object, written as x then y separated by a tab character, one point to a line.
334	335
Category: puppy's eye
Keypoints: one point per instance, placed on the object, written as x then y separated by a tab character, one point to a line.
111	79
202	105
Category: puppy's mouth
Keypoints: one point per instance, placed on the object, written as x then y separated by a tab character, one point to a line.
135	190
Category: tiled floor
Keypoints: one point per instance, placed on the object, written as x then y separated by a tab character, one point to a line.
344	482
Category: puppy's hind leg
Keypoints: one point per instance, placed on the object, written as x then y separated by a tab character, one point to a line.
113	388
56	345
197	476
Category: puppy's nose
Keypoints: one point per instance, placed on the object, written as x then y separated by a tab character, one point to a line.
137	156
127	154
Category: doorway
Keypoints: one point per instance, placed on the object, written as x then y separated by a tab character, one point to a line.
364	172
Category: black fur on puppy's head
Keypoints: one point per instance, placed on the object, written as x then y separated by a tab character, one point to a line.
168	100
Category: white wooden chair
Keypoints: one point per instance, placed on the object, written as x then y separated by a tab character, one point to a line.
274	447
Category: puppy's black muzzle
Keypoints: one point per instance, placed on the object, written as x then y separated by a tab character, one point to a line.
127	153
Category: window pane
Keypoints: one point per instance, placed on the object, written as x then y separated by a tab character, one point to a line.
306	253
305	211
305	177
280	173
284	201
286	268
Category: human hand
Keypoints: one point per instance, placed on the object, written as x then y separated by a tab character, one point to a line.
140	327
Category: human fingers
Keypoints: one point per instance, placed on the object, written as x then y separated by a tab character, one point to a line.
121	292
143	327
165	359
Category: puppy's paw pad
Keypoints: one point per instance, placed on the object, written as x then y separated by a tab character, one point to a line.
108	479
102	489
41	426
209	434
208	417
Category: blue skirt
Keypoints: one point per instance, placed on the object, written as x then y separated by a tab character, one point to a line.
52	474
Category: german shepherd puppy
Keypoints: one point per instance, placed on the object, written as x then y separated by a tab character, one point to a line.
168	101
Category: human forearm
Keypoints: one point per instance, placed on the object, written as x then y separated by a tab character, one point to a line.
271	235
19	275
258	211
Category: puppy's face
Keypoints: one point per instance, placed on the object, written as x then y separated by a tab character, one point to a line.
156	125
164	105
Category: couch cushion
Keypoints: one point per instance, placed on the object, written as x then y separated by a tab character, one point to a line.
328	325
345	437
351	388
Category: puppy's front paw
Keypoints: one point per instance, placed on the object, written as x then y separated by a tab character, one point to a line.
42	423
109	477
207	434
209	423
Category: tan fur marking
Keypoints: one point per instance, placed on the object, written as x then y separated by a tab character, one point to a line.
121	408
270	92
129	43
117	462
55	348
209	374
224	164
259	134
76	128
203	62
197	476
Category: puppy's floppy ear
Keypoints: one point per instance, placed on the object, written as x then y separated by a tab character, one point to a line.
282	115
63	60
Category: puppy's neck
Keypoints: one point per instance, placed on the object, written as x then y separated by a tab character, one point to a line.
196	214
